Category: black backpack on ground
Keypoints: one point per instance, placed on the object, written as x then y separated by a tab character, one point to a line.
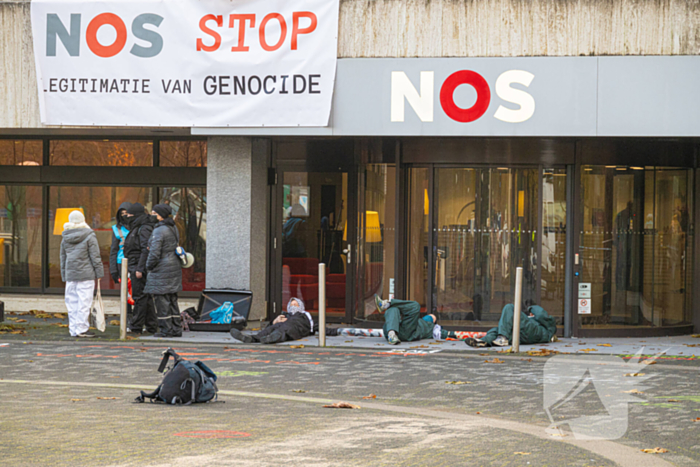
185	383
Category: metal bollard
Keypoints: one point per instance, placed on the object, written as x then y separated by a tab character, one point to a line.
321	305
518	307
123	297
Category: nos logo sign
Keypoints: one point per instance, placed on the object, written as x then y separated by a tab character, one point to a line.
422	102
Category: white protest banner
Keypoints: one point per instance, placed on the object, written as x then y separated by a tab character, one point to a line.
245	63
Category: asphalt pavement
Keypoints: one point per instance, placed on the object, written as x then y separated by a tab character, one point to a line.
71	403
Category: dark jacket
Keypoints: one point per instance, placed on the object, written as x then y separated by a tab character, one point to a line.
136	244
117	243
80	256
163	266
296	327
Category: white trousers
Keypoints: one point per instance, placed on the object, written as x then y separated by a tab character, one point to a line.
79	301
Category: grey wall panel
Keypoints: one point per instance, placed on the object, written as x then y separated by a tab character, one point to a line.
648	96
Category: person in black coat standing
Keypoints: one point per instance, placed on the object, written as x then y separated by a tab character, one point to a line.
165	272
136	251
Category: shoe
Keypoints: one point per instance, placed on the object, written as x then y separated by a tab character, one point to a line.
239	336
500	341
393	338
382	305
470	341
272	338
86	334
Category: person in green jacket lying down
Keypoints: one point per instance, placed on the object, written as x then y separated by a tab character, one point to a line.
536	327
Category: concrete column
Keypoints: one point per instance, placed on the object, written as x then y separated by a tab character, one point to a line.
237	205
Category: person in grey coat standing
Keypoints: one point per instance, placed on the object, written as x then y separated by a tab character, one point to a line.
81	264
164	278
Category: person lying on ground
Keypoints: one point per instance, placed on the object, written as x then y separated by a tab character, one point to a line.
536	327
291	325
402	322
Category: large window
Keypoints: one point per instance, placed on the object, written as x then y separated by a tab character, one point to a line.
99	204
183	153
418	236
190	214
636	245
101	153
20	236
21	152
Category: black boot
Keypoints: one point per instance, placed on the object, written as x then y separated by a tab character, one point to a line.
239	336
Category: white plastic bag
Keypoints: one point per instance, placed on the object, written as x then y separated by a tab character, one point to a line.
98	310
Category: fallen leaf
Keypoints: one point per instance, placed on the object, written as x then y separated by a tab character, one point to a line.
508	350
520	453
108	398
60	315
484	354
633	391
77	400
371	396
692	345
634	374
435	343
495	360
655	451
298	390
114	322
558	435
458	382
43	315
36	312
697	419
649	361
20	320
695	335
348	341
60	325
296	346
341	405
541	353
604	345
673	400
478	413
419	347
588	350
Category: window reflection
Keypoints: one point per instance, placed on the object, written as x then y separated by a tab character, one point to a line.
636	245
101	153
183	153
100	206
376	222
190	215
21	152
20	236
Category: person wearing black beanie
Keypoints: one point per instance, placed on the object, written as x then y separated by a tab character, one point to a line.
165	272
163	210
136	209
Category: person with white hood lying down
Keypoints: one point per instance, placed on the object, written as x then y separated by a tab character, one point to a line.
81	264
293	324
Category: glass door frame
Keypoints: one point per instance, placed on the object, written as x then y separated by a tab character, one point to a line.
276	180
626	152
433	204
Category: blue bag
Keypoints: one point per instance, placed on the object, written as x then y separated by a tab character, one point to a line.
223	314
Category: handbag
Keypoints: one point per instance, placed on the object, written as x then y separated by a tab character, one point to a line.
98	311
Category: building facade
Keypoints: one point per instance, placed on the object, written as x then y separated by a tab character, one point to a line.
466	139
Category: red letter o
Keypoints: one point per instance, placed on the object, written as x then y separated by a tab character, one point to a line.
483	96
283	32
91	35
